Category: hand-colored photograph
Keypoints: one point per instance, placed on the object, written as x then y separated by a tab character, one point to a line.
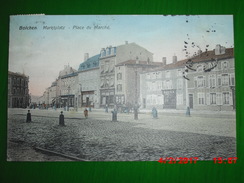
121	88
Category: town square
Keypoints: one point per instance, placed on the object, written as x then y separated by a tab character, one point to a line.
121	88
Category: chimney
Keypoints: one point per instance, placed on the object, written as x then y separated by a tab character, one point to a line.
164	61
174	59
219	50
86	56
148	60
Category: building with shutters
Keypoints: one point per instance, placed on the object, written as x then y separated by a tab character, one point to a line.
212	89
164	87
117	70
206	87
88	82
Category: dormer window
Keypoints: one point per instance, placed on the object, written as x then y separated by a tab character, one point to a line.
107	51
103	53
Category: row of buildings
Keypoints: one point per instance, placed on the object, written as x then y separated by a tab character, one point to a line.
126	75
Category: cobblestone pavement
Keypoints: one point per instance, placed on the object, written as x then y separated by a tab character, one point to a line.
99	139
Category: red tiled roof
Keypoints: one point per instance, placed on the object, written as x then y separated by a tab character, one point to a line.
210	55
203	57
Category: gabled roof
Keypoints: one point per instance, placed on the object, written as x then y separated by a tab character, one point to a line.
90	63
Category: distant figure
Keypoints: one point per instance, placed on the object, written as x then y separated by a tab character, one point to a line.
114	115
61	119
86	113
154	113
106	108
28	118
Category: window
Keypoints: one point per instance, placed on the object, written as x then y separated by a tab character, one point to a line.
212	98
179	83
111	82
168	84
226	98
219	99
119	76
232	79
106	67
102	68
111	68
153	75
148	76
224	65
212	81
179	73
201	98
107	51
112	51
225	80
154	86
200	81
119	87
199	68
159	85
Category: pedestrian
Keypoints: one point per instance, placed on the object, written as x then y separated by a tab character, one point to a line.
106	108
154	113
28	118
114	115
61	119
86	113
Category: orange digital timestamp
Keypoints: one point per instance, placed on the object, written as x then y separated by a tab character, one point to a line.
220	160
178	160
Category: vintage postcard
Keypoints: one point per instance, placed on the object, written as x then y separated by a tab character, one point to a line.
121	88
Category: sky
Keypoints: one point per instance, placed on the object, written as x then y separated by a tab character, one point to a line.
41	53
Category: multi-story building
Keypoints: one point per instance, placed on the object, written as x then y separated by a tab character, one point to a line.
88	82
18	90
211	84
67	87
164	86
53	94
114	80
128	81
68	90
107	76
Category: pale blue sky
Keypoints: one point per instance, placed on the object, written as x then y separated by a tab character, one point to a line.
41	54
